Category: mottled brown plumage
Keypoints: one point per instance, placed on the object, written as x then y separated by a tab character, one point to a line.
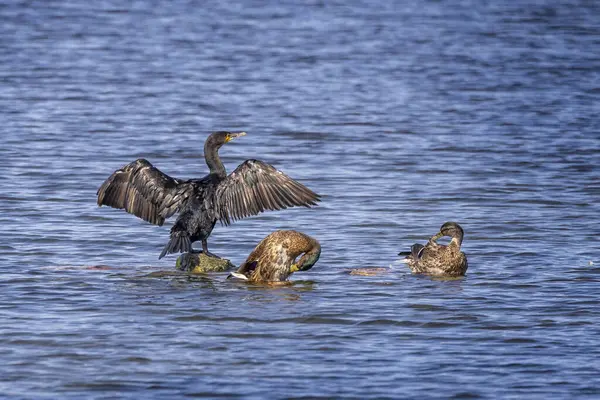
253	187
273	260
437	259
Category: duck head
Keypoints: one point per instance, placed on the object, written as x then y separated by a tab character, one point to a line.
309	259
451	229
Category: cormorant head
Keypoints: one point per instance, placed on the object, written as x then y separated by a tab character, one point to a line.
218	139
453	230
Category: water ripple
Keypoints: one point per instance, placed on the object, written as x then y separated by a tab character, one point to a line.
402	117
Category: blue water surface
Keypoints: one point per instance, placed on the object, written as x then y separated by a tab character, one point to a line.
402	115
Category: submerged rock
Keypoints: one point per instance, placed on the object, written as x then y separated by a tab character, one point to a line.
198	263
370	271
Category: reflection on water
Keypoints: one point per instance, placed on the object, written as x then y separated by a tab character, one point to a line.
402	117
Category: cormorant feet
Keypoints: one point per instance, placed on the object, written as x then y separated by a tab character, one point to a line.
208	253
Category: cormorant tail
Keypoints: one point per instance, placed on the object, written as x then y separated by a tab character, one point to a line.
180	243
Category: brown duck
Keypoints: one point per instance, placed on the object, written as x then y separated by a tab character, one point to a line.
438	259
274	259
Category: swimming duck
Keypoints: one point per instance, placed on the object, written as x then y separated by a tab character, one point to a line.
253	187
274	259
438	259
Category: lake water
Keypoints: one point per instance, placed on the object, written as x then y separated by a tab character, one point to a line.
401	115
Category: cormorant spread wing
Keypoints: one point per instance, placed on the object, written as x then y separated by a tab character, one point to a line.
256	186
144	191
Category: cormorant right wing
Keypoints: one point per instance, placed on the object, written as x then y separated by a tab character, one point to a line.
256	186
144	191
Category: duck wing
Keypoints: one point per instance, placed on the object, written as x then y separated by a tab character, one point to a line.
416	251
256	186
144	191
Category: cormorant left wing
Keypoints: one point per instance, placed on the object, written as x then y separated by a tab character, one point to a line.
144	191
256	186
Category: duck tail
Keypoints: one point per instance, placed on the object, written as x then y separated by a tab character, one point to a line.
180	243
416	250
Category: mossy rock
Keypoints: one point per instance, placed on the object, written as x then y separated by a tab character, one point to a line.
199	263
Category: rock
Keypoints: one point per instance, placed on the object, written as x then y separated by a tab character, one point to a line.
198	263
369	271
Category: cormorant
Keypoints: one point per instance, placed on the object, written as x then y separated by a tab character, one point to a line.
274	259
253	187
438	259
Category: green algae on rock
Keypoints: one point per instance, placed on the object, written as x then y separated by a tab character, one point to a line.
198	263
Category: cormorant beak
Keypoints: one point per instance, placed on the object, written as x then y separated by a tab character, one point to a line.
232	136
294	268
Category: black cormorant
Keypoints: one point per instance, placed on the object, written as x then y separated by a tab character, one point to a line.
255	186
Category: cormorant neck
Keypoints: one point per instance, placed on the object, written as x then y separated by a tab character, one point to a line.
211	155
